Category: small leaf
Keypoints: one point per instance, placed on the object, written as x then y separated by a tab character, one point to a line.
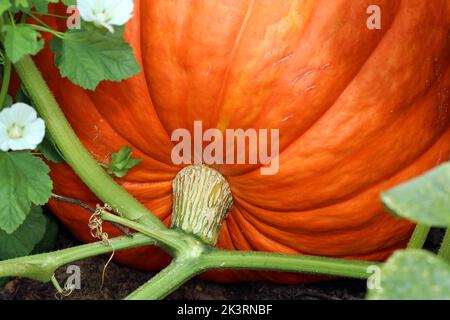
50	151
4	5
23	240
69	2
21	40
121	162
22	4
425	200
48	241
413	275
24	181
91	55
42	5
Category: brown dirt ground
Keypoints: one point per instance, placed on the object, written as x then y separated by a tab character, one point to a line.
121	280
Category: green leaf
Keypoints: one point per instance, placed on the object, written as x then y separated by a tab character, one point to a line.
21	4
21	40
121	162
23	96
47	243
50	151
69	2
91	55
413	275
23	240
425	200
4	5
42	5
8	102
24	181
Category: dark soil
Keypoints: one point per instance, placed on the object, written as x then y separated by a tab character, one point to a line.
120	281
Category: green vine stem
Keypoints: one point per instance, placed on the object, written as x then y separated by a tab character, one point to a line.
195	257
167	281
5	81
175	242
213	259
251	260
56	284
41	267
444	251
74	152
419	237
180	271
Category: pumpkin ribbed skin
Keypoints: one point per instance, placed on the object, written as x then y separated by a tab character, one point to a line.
359	111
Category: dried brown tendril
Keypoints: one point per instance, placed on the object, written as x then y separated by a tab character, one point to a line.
62	293
96	227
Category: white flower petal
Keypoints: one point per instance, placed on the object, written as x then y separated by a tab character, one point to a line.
29	146
19	113
20	128
7	117
4	139
2	129
121	11
23	113
109	27
4	146
34	132
19	145
106	12
85	9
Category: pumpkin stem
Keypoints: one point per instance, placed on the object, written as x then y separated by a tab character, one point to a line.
201	201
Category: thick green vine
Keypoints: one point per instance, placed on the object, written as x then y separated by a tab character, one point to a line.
41	267
5	81
419	236
444	251
74	152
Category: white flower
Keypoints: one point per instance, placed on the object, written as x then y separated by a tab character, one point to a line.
106	12
20	128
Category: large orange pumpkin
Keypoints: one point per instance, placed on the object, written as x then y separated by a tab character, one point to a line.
359	111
